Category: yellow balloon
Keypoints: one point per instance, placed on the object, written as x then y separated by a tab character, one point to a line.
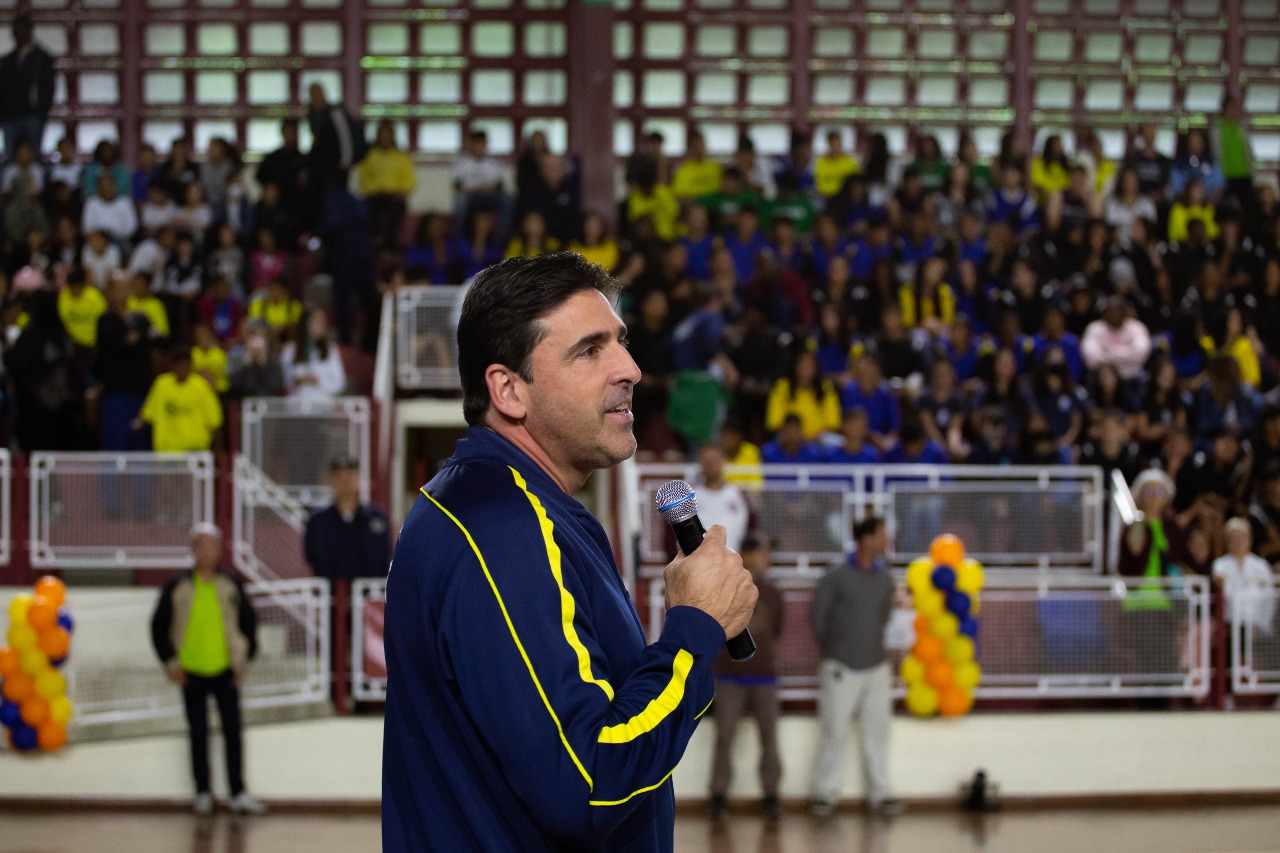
51	684
34	662
60	710
21	636
928	602
945	626
918	573
967	676
912	670
922	700
18	608
975	604
970	577
959	650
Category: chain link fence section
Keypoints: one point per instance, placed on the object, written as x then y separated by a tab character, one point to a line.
115	681
368	655
268	526
1255	639
293	441
426	339
6	506
1007	516
135	510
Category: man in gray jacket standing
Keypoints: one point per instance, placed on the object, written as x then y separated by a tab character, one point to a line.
850	609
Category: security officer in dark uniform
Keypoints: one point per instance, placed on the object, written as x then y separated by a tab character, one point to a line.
347	540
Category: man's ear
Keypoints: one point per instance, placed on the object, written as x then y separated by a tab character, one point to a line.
507	391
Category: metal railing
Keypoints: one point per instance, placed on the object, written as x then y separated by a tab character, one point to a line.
426	339
1255	638
1015	516
113	676
136	510
1042	636
292	441
6	506
267	526
368	657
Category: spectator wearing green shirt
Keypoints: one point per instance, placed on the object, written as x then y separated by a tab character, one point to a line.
1234	153
732	198
205	633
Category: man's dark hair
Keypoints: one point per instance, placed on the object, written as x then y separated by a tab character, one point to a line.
500	322
869	526
179	352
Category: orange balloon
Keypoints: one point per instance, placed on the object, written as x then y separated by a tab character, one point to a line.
940	675
35	710
52	590
51	735
922	626
928	649
947	550
954	701
10	661
42	613
17	687
54	642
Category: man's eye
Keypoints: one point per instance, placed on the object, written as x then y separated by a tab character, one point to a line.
590	352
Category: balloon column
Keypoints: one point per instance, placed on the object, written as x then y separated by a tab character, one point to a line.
941	672
34	708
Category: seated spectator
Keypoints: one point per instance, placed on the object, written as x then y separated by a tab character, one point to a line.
698	241
105	162
1194	161
387	179
698	176
273	213
790	447
1264	513
1054	340
833	166
942	407
480	244
182	408
1246	580
597	244
1117	339
806	394
195	214
556	194
151	256
854	448
649	200
1243	345
1192	205
22	185
902	353
218	173
209	359
431	253
110	212
221	310
1113	449
868	391
1039	446
1156	546
312	364
784	243
991	442
1265	442
781	293
158	210
734	196
267	261
928	302
702	371
1010	203
930	164
1127	204
65	167
1166	406
178	171
122	368
531	238
260	373
916	448
100	259
1005	392
143	301
1108	394
1049	172
790	204
529	161
868	251
80	305
277	309
226	260
1214	483
1224	401
144	173
756	174
1149	166
827	242
649	330
478	182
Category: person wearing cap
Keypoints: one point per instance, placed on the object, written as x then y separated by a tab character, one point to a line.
205	632
347	539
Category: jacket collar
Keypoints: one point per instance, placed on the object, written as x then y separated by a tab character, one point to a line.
484	444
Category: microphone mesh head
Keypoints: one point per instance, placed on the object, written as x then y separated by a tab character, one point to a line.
676	501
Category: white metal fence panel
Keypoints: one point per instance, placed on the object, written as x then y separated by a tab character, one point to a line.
293	441
113	675
368	656
1255	638
1007	516
136	510
1066	637
267	527
426	339
6	506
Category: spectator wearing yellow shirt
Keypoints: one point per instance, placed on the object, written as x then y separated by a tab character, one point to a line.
386	180
142	301
532	238
277	309
597	244
80	306
1244	346
807	394
697	176
182	408
831	168
209	359
1192	205
648	199
1050	173
742	454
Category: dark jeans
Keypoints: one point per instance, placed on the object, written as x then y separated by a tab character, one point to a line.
195	696
21	129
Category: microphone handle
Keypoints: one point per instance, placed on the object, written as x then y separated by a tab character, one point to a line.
689	535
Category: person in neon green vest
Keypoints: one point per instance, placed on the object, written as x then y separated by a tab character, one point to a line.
1234	152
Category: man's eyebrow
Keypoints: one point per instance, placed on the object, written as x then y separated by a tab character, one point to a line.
596	339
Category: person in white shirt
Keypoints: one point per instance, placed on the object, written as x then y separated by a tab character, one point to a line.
478	181
110	212
1246	580
1117	339
66	165
159	209
100	259
721	502
23	166
151	256
312	364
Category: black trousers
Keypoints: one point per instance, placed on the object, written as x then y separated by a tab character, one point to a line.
195	696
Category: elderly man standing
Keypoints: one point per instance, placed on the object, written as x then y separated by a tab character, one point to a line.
205	633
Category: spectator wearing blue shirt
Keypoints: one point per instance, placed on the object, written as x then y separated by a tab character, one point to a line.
962	350
915	448
1194	162
1054	338
855	449
972	243
867	251
785	246
789	447
696	403
868	390
1224	403
1059	402
825	243
745	244
698	242
1012	204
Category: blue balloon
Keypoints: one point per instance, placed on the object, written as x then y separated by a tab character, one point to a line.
969	627
24	737
10	714
58	662
65	620
958	603
944	578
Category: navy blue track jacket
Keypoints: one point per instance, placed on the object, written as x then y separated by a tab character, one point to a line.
525	711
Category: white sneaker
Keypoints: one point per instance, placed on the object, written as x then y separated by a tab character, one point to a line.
203	804
245	803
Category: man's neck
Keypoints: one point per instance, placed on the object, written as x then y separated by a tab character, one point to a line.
347	506
568	480
206	573
866	561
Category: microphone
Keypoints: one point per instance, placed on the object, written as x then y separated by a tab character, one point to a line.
678	504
